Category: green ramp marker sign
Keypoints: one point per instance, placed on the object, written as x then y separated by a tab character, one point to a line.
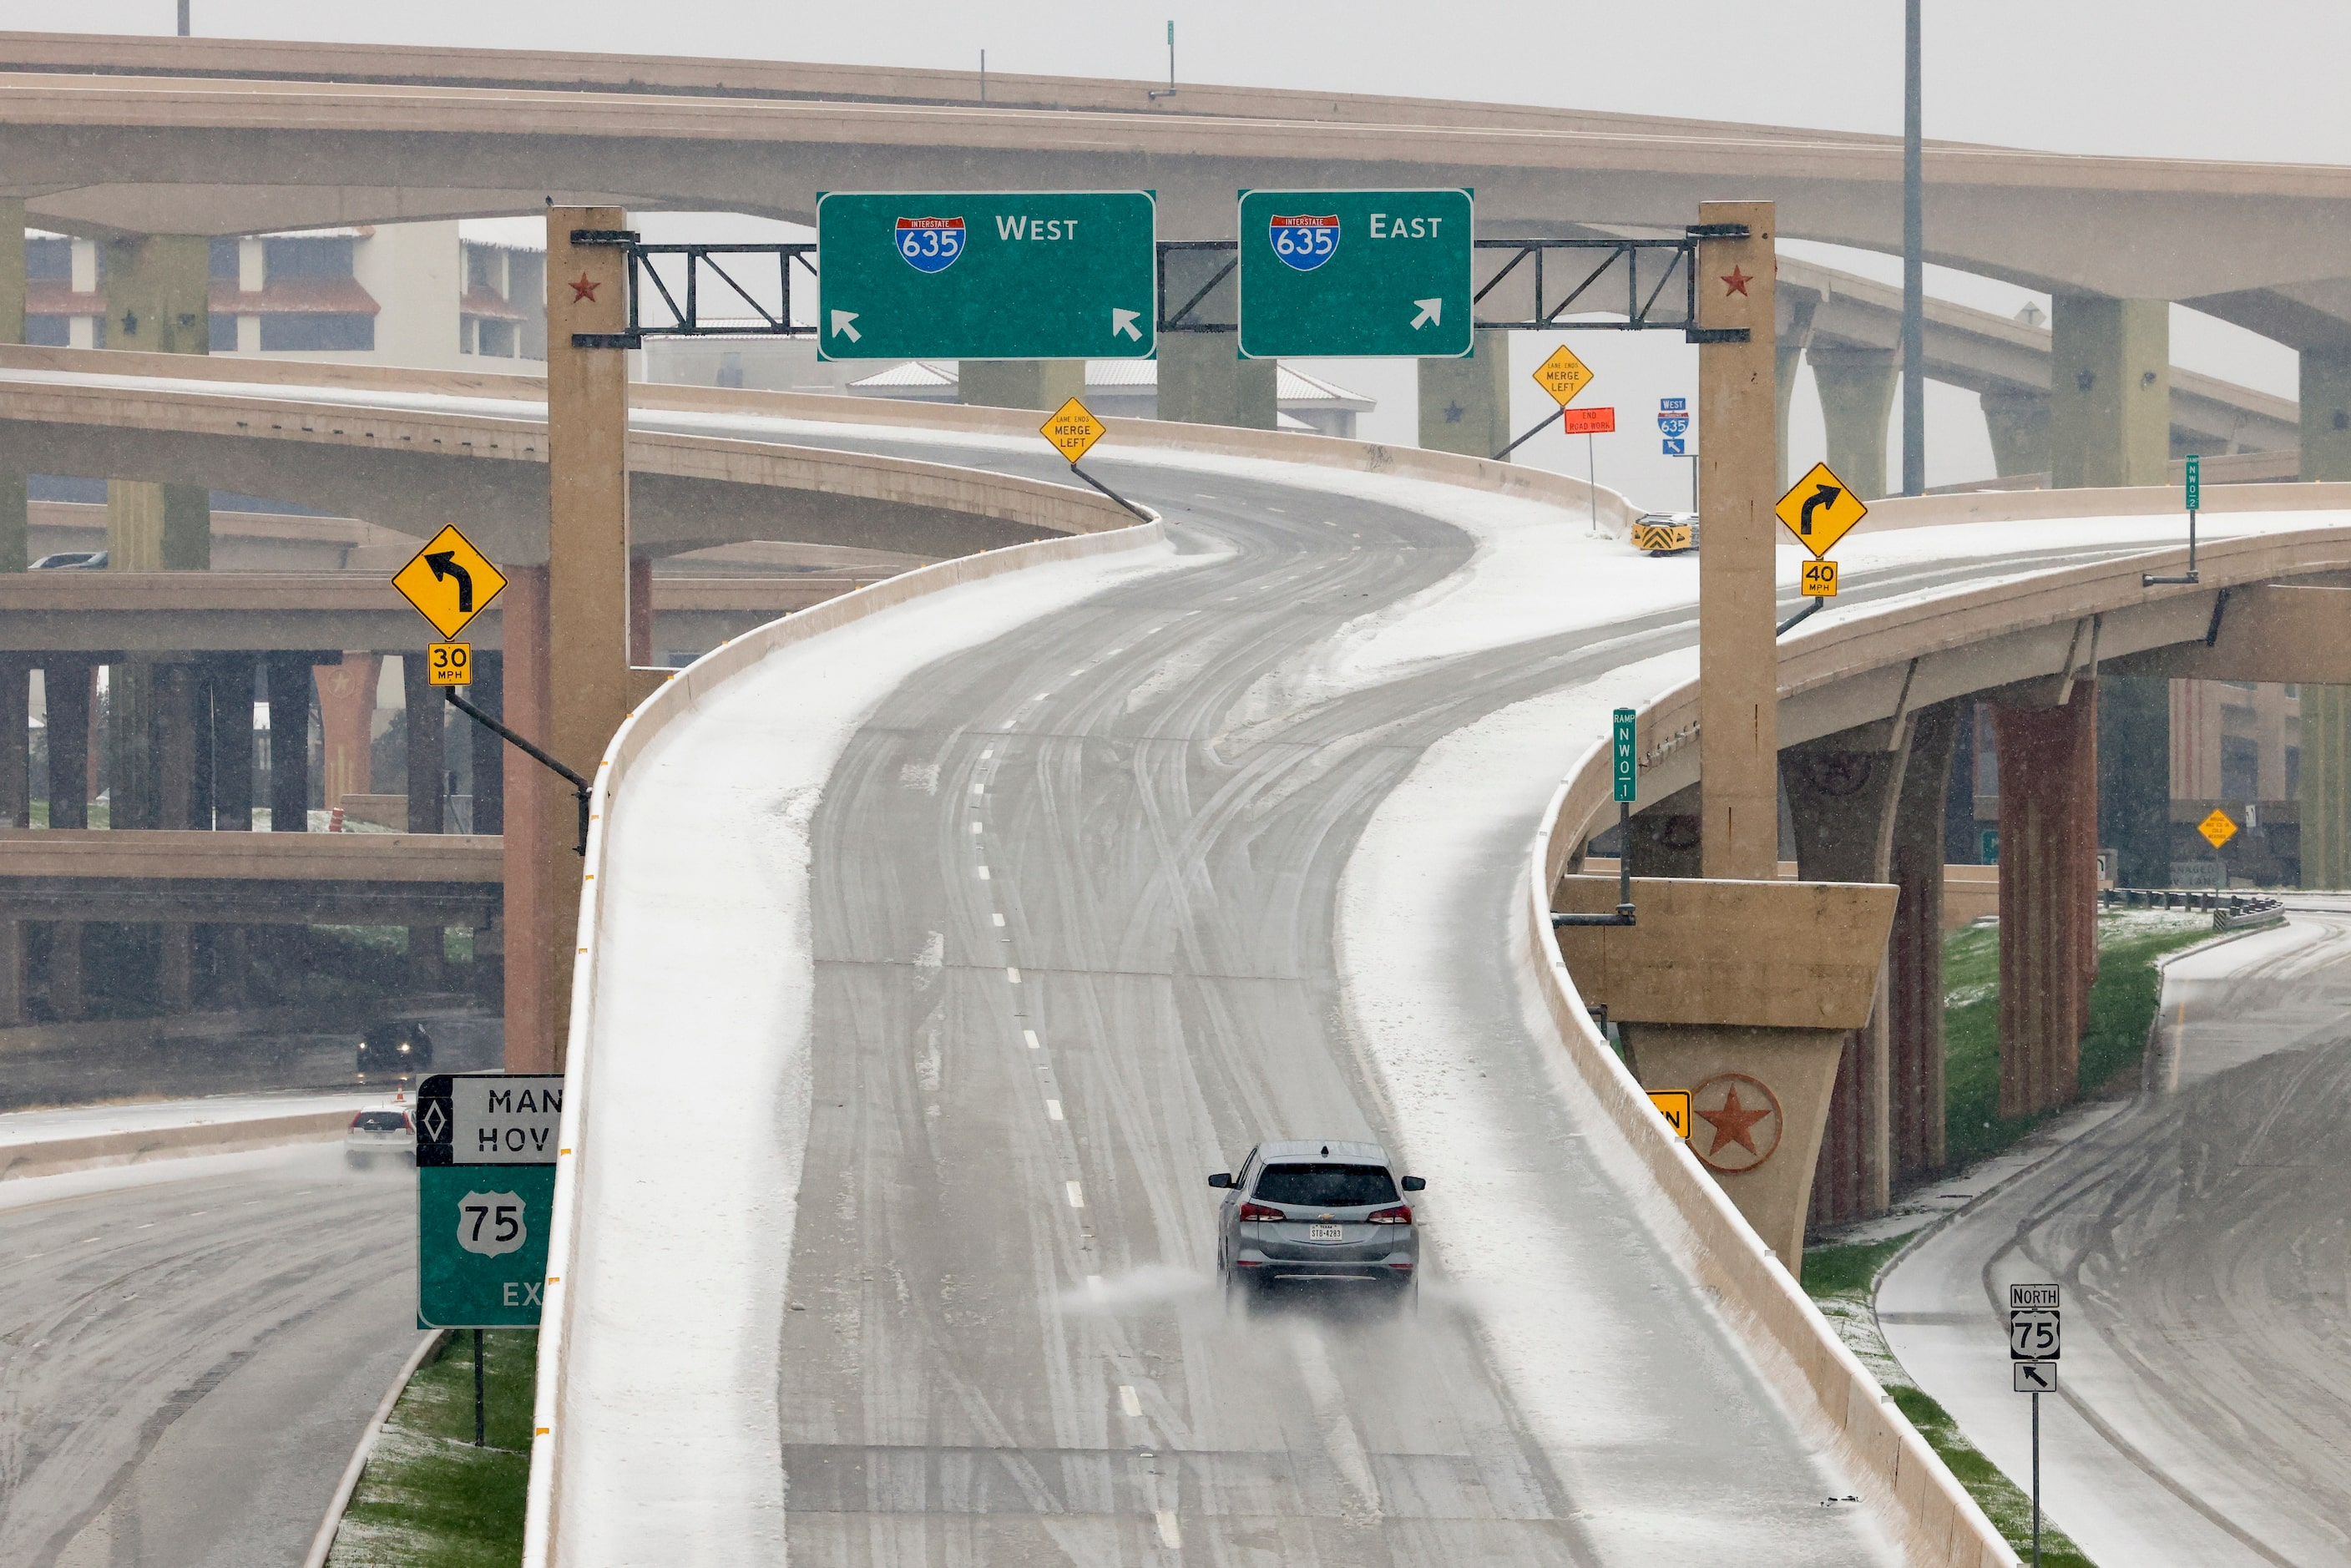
1625	770
1356	274
485	1197
1007	274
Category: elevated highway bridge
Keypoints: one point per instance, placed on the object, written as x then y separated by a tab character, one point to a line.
989	906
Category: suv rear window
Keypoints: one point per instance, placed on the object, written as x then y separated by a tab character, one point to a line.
1326	1187
380	1121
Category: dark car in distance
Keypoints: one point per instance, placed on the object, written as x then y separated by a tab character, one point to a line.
394	1048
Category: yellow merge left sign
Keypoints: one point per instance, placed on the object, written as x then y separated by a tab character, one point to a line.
449	581
1073	429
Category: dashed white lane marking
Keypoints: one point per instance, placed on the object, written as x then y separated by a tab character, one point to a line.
986	752
982	873
979	788
1012	975
1031	1036
997	918
975	826
1053	1109
1077	1197
1093	1284
1169	1536
1129	1401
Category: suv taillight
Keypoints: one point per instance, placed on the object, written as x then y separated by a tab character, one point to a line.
1400	1215
1259	1211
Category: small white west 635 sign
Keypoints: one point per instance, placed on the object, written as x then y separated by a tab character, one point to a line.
491	1224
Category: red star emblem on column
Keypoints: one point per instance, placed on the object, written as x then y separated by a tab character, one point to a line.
1735	281
1734	1123
582	288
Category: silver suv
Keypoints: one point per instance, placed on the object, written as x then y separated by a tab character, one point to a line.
1306	1209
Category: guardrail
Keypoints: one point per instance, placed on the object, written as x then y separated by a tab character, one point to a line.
2230	911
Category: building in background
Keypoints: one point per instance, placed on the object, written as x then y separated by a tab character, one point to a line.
429	295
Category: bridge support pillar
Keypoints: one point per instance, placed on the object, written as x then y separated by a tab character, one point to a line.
1795	313
1043	384
228	684
16	742
2018	424
346	726
289	742
2110	390
1203	381
2048	896
156	291
174	690
531	812
1912	999
14	514
12	973
2323	791
488	766
68	1000
2325	413
66	689
1856	388
1465	404
1842	791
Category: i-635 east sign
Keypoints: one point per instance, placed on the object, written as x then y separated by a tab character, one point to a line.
1348	274
1003	275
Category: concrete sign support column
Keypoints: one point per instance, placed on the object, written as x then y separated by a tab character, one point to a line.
2109	390
1739	661
1042	384
1913	999
230	678
588	689
156	302
1856	389
68	687
2048	896
1465	404
1203	381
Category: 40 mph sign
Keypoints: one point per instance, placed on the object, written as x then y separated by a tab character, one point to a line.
1008	274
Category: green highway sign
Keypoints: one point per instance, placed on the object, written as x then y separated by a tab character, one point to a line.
2195	481
1008	274
481	1245
486	1151
1356	274
1624	769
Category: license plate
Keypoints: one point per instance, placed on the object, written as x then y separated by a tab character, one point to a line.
1323	1233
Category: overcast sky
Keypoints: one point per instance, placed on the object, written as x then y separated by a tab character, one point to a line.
2155	77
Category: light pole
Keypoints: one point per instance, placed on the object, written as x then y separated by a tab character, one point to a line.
1914	267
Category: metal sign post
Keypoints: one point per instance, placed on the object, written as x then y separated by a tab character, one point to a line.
2033	1341
1625	772
2195	500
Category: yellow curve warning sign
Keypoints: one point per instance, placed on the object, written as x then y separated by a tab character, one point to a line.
449	581
1073	429
1820	510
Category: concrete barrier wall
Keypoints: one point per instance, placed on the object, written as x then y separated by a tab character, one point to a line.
52	1156
674	701
1909	1490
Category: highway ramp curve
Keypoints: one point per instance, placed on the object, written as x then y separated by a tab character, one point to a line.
936	958
2199	1234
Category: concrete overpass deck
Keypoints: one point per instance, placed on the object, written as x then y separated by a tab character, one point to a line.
250	879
